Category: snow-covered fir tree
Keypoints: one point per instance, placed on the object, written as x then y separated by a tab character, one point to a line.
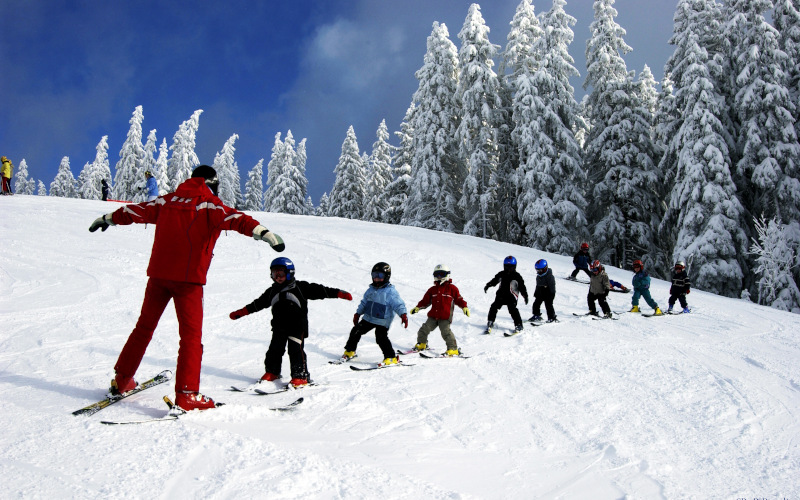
64	183
275	166
477	133
81	181
97	171
129	168
287	193
161	166
432	122
41	190
324	206
183	159
769	154
620	152
310	210
550	205
776	251
23	185
226	167
380	161
787	21
704	209
301	159
150	152
349	189
397	190
254	188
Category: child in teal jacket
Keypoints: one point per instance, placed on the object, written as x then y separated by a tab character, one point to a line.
641	288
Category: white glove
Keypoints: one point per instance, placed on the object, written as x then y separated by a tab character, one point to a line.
264	234
101	223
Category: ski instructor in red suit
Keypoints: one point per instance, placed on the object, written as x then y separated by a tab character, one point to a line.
188	223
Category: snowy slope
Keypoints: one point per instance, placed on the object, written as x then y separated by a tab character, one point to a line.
705	405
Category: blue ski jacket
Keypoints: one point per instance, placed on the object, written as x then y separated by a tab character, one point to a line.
379	305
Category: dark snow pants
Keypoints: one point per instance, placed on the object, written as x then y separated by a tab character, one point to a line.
297	355
511	303
381	337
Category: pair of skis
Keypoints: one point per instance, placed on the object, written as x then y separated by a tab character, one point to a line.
159	379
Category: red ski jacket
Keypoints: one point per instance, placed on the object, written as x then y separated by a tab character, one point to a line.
188	223
442	297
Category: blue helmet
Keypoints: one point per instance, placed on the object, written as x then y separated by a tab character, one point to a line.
510	261
541	266
285	263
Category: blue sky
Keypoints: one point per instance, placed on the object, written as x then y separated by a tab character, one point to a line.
73	71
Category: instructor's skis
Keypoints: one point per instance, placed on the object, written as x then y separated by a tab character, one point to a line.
111	399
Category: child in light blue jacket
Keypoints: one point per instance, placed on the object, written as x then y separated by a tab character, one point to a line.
376	310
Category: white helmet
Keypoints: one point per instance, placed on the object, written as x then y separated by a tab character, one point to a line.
441	273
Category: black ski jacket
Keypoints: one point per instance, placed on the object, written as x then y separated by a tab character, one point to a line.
289	302
511	284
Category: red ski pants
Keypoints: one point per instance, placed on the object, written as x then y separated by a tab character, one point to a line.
188	298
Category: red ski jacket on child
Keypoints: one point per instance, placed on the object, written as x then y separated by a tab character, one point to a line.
188	223
441	298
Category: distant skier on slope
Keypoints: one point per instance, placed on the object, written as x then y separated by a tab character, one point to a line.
188	223
681	286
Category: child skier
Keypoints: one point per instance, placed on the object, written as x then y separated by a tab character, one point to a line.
581	260
443	296
680	287
545	292
599	286
641	288
378	307
289	301
511	286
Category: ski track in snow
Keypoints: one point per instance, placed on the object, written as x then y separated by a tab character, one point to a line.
705	405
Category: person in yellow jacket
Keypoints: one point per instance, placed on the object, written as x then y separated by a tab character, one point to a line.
8	169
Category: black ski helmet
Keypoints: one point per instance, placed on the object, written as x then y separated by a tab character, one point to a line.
210	175
384	269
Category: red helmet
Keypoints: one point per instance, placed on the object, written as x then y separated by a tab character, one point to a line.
637	264
584	246
596	267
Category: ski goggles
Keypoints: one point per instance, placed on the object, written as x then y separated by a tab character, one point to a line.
440	274
378	275
278	273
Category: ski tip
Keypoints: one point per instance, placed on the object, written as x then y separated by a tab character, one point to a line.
169	402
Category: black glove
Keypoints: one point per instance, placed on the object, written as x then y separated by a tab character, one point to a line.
101	223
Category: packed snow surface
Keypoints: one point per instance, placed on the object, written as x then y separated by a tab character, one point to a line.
703	405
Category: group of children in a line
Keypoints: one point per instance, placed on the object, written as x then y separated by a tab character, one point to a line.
289	298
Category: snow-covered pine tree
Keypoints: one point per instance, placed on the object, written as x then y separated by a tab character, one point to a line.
620	152
380	161
254	189
99	169
432	120
324	206
23	185
41	190
524	31
225	165
769	153
349	189
776	251
150	149
81	181
477	133
309	206
703	203
183	159
287	194
550	205
129	168
275	167
299	173
161	167
64	183
397	190
787	21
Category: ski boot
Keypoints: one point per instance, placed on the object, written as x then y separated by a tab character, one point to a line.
534	318
489	326
635	309
594	313
270	377
188	401
121	384
669	310
608	315
298	382
420	346
554	320
390	361
453	352
658	312
685	310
